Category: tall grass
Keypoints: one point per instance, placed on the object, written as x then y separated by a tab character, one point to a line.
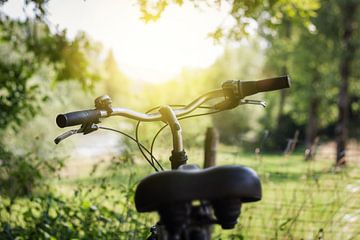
301	200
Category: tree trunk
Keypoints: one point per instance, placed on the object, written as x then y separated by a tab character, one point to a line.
348	10
284	70
312	124
280	115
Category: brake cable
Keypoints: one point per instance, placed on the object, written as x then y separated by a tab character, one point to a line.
141	150
139	144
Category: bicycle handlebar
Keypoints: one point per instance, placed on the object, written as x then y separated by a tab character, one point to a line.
231	90
241	89
93	115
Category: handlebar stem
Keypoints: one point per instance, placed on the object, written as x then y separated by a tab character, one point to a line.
168	115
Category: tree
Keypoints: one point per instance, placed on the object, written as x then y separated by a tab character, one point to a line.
275	21
237	126
315	57
349	20
278	58
116	83
28	46
268	13
31	54
313	70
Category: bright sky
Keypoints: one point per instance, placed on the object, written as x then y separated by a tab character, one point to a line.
153	52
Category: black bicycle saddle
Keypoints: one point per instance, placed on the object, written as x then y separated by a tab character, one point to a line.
188	183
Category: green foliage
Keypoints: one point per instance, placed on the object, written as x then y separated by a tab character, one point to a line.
312	56
116	84
268	13
235	126
238	125
19	99
38	7
86	214
313	69
26	48
23	173
32	57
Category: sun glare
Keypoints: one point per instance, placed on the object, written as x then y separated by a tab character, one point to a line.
158	51
153	52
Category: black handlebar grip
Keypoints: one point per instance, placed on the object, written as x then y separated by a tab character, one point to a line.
247	88
241	89
77	118
273	84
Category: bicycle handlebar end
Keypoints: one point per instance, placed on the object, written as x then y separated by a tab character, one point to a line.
241	89
61	120
78	118
272	84
57	140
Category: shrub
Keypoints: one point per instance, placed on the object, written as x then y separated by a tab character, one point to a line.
87	214
20	174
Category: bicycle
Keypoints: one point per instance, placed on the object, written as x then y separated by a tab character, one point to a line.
188	199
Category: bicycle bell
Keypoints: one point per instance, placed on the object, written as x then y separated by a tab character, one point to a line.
103	103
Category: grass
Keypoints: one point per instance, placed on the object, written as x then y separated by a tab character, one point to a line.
301	200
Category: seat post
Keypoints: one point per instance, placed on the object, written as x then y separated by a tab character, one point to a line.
178	156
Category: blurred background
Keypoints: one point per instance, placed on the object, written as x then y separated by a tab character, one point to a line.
58	56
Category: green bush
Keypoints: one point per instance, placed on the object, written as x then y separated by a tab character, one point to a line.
21	174
87	214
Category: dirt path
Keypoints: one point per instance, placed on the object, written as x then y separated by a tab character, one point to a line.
89	150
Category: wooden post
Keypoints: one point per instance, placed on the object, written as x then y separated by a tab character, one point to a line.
310	152
292	144
211	141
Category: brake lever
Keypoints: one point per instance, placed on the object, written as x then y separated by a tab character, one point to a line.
233	103
65	135
88	127
254	102
85	129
